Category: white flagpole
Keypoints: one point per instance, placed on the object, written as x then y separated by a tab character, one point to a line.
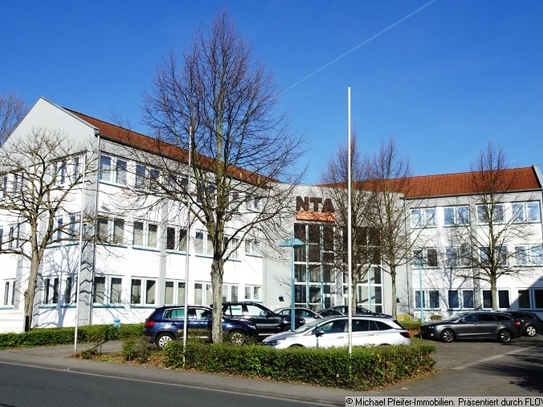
349	224
187	254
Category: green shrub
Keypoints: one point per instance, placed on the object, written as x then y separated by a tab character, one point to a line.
136	349
367	367
96	334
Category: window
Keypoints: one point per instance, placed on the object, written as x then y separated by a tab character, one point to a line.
99	296
110	230
68	288
137	236
467	298
59	223
199	242
418	298
74	226
76	170
524	298
529	255
252	247
457	257
174	292
120	172
140	176
233	243
433	296
176	239
456	215
105	168
230	292
499	255
503	299
1	237
423	217
252	292
152	237
203	294
9	293
526	212
107	290
50	290
102	229
495	212
425	258
454	300
209	246
252	203
138	296
115	290
60	172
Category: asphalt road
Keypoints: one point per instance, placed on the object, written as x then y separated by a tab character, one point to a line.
48	376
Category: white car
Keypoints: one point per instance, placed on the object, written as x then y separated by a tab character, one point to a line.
333	332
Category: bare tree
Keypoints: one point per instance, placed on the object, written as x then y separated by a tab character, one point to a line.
389	182
218	108
489	234
12	110
365	238
39	174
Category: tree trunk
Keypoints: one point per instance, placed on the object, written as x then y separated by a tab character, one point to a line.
30	293
216	283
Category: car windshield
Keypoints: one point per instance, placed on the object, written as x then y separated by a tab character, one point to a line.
455	318
309	326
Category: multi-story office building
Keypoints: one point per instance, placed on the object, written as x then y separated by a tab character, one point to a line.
137	259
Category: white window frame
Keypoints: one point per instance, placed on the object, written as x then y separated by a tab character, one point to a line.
147	291
253	292
528	255
482	213
526	212
423	217
9	293
203	293
51	289
174	292
457	218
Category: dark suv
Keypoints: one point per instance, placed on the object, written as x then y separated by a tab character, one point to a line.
473	325
166	324
530	323
267	321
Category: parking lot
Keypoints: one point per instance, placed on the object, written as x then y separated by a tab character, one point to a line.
482	368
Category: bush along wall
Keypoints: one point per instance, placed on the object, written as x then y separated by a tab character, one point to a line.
367	368
96	334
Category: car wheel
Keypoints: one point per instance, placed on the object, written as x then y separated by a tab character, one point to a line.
163	339
237	337
447	335
530	330
505	336
296	346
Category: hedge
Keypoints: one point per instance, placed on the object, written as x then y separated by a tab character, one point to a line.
365	369
97	334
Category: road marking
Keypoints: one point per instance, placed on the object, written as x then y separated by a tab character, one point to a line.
465	366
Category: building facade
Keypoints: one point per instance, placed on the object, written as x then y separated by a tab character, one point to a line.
146	255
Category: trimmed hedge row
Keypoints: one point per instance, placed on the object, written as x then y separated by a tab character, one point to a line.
97	334
367	368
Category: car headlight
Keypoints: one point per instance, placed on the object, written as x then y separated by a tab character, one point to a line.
273	342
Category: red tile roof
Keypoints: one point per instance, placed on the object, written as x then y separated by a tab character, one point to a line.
465	183
131	138
516	179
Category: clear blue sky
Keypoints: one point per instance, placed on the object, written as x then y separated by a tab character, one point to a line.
443	77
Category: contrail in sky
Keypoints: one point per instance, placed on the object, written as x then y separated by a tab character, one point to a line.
358	46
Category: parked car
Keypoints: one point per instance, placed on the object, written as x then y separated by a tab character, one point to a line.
333	332
343	310
166	324
530	323
305	313
473	325
267	321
